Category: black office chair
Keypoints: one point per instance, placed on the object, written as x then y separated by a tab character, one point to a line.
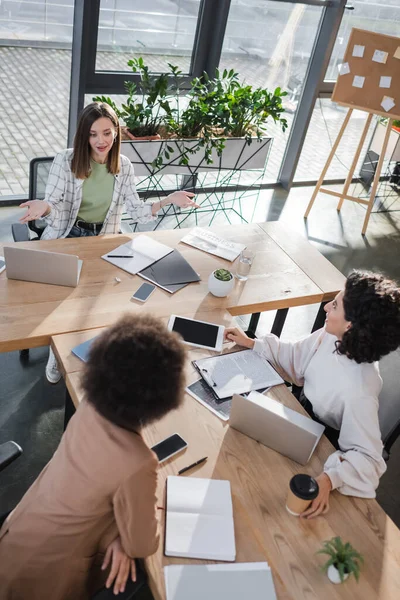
39	169
9	451
389	401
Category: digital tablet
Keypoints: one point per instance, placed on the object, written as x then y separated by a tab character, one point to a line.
198	333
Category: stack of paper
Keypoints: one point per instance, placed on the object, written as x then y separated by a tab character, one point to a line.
199	520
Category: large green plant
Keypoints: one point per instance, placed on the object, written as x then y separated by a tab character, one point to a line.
342	556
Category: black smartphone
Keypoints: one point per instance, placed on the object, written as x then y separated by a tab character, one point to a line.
169	447
142	293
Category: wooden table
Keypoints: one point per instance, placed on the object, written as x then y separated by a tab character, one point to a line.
281	277
259	478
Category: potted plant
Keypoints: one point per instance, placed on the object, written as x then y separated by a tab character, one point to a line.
343	560
396	125
221	282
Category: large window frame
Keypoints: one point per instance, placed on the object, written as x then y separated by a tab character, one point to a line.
206	54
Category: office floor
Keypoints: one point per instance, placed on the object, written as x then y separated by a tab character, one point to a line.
31	410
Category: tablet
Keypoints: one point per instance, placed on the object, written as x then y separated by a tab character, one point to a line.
198	333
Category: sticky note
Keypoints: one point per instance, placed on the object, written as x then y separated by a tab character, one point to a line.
385	82
344	69
397	53
380	56
387	103
358	51
358	81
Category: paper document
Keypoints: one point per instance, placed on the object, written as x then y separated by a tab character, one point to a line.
358	81
219	582
199	519
385	82
237	373
139	253
387	103
358	51
380	56
344	69
82	351
213	244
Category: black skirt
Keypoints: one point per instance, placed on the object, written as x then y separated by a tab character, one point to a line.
331	433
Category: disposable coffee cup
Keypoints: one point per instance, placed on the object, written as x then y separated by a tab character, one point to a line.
302	491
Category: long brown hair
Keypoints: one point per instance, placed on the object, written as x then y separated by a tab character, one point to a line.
80	164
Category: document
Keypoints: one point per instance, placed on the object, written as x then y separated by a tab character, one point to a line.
219	582
137	254
213	244
199	519
82	351
237	373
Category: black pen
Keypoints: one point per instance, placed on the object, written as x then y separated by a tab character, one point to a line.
193	465
119	255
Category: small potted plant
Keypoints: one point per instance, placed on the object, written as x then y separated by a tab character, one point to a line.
343	560
221	282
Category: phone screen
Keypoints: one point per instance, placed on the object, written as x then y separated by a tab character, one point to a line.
168	447
195	332
144	291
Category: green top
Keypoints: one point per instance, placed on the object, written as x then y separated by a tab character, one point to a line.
97	191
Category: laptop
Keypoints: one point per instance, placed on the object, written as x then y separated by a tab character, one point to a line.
268	421
40	266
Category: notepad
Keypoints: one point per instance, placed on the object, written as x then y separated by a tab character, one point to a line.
171	273
143	252
237	373
239	581
199	519
82	351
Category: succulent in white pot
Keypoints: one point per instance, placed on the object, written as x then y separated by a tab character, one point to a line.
343	560
221	282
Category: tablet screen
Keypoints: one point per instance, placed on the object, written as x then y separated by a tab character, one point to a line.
195	332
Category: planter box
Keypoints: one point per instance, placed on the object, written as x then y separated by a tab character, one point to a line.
237	155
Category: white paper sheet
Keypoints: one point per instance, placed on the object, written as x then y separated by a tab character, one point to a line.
344	69
358	51
387	103
358	81
385	82
380	56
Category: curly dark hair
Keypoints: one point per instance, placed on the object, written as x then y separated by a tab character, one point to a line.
135	372
372	304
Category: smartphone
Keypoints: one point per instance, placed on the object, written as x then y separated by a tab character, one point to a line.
169	447
142	293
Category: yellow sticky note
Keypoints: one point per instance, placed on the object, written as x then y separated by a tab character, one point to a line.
397	53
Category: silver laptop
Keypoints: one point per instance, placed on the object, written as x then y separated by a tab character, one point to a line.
42	267
276	426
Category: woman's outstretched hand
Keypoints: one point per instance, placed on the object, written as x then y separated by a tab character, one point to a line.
234	334
121	566
36	210
182	199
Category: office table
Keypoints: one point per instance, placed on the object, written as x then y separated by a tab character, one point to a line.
259	479
281	277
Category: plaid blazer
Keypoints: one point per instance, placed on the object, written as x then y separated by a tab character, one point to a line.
64	196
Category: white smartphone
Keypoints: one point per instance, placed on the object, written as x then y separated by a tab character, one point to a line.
200	334
143	293
169	447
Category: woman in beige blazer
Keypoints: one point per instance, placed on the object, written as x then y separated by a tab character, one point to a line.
97	495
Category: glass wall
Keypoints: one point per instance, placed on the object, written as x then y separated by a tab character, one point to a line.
37	21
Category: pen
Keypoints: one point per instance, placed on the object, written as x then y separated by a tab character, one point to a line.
193	465
119	255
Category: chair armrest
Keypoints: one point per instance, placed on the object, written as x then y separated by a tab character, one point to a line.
20	232
9	451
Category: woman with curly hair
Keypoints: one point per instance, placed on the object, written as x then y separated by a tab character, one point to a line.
92	510
338	369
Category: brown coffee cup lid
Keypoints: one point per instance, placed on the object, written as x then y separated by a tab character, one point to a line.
304	486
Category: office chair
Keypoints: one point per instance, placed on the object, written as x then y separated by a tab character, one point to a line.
389	401
9	451
39	169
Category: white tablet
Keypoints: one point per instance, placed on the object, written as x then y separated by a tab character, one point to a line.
198	333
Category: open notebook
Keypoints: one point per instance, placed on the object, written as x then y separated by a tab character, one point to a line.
199	519
240	581
139	253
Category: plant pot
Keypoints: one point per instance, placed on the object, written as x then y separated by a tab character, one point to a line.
333	574
220	288
396	128
237	155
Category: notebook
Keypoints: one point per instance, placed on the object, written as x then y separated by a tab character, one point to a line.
171	273
213	244
237	373
199	519
268	421
219	582
82	351
142	251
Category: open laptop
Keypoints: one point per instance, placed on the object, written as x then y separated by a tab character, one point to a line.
276	426
40	266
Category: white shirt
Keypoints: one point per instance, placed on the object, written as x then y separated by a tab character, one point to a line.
344	395
64	196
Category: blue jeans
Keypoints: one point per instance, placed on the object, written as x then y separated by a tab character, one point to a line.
79	232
